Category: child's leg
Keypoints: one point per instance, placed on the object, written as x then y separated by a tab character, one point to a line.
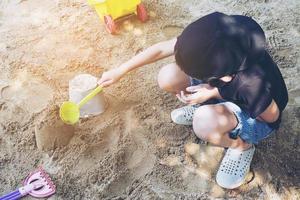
227	125
213	123
172	79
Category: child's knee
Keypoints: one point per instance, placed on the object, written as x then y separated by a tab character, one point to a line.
211	121
172	79
165	78
203	123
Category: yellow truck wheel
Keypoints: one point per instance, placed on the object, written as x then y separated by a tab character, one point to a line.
141	12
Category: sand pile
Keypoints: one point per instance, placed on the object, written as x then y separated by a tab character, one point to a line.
52	133
132	150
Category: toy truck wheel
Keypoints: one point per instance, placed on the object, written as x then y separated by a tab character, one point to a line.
141	12
110	24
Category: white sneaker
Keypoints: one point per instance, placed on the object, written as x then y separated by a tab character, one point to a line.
234	167
183	115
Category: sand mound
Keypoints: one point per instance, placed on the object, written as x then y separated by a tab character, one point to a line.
52	133
83	83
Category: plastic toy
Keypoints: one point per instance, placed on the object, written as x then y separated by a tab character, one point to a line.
110	10
69	111
37	184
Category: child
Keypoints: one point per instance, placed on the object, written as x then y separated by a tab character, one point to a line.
234	92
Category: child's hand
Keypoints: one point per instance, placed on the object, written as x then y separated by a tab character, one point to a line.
198	94
110	77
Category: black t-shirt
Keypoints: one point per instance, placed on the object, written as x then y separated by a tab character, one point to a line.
254	88
217	45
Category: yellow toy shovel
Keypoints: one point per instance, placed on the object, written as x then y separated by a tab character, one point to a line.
69	111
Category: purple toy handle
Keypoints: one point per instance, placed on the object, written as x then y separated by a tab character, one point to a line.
12	196
37	184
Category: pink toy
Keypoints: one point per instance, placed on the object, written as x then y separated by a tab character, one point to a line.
37	184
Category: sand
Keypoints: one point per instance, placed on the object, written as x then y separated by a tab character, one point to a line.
51	133
132	150
82	83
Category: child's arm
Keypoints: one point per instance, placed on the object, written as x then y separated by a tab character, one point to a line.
150	55
271	114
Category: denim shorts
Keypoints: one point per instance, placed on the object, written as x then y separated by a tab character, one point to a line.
248	129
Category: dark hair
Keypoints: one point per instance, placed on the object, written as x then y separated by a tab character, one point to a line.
217	45
223	57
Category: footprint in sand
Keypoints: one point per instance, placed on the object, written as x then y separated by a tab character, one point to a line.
277	42
133	156
294	97
139	157
109	138
206	157
3	85
119	153
141	162
27	92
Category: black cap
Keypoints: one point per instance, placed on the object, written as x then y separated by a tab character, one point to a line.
219	44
